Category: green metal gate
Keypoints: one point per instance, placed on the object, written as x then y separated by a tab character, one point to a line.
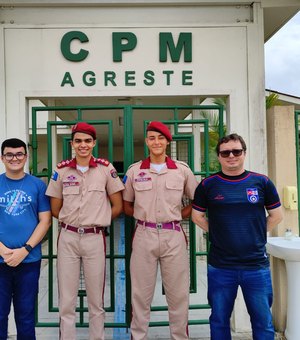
191	136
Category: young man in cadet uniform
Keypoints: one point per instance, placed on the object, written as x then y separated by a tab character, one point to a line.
85	196
153	194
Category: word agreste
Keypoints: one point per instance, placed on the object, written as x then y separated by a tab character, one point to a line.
124	42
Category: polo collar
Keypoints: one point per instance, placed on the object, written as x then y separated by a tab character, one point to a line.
169	162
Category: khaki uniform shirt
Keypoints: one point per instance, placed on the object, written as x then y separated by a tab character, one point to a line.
157	196
85	195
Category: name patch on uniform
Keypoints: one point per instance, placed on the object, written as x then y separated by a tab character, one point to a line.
113	173
142	179
70	184
252	195
54	176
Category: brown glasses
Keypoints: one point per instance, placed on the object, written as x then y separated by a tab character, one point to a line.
10	156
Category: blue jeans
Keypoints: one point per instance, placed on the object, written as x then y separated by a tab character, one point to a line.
20	286
257	290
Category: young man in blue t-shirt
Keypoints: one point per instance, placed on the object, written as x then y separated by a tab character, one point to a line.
236	201
24	220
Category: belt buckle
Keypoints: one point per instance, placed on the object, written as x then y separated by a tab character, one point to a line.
158	226
80	230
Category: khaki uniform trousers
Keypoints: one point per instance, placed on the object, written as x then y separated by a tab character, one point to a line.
169	248
73	249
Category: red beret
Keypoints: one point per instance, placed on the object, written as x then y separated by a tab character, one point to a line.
84	128
160	127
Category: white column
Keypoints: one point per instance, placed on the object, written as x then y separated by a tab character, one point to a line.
256	141
255	136
3	126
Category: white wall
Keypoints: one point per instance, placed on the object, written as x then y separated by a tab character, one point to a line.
227	60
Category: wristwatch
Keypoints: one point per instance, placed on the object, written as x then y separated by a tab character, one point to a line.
28	247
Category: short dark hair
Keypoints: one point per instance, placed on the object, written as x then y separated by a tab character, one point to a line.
13	143
233	136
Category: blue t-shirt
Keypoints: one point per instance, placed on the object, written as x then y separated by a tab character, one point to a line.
20	203
237	218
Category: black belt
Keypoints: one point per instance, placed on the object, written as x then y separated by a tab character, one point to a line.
175	225
82	230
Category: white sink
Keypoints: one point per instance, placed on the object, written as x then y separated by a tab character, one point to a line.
289	251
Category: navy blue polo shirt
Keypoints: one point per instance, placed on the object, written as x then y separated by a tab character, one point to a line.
236	207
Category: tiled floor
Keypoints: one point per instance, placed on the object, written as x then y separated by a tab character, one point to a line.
50	335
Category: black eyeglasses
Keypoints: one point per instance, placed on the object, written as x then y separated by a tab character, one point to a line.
235	152
10	156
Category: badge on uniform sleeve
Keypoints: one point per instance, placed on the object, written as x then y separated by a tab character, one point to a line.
252	195
124	179
113	173
54	175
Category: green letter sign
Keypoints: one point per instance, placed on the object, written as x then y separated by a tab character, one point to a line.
65	46
118	45
166	42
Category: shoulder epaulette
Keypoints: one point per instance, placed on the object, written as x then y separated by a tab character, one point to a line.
133	164
182	163
64	163
102	161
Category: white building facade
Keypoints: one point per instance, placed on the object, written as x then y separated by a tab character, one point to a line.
143	52
64	52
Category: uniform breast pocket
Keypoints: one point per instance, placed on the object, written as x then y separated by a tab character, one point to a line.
143	186
96	190
174	191
175	184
